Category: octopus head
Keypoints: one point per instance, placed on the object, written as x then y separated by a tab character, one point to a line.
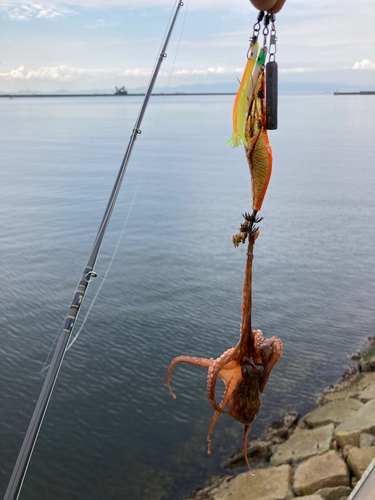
245	401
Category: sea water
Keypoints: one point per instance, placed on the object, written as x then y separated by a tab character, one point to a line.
112	430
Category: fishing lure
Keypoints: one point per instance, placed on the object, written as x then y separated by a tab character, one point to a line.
259	156
259	118
258	149
240	102
244	369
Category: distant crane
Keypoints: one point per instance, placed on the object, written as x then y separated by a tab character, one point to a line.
121	91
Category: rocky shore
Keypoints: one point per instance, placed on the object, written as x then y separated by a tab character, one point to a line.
320	456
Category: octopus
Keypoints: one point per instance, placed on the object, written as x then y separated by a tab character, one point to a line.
244	369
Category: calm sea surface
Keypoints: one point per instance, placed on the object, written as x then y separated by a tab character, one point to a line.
112	430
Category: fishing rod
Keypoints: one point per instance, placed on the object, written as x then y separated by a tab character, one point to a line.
20	468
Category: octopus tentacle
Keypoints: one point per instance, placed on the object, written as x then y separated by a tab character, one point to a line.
266	352
258	341
186	359
244	442
226	398
247	295
277	350
213	371
213	422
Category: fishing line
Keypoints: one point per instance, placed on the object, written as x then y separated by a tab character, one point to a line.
137	187
173	64
109	209
172	69
110	263
179	41
161	44
46	364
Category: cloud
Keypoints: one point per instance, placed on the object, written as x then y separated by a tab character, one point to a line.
55	73
25	10
219	70
364	64
100	23
65	73
69	74
297	70
30	11
137	72
296	8
237	5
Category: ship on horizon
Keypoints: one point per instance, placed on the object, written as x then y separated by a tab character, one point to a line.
121	91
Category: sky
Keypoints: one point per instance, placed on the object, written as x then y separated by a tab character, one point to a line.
97	44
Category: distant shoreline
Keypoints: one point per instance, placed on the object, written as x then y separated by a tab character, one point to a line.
361	92
159	94
116	95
